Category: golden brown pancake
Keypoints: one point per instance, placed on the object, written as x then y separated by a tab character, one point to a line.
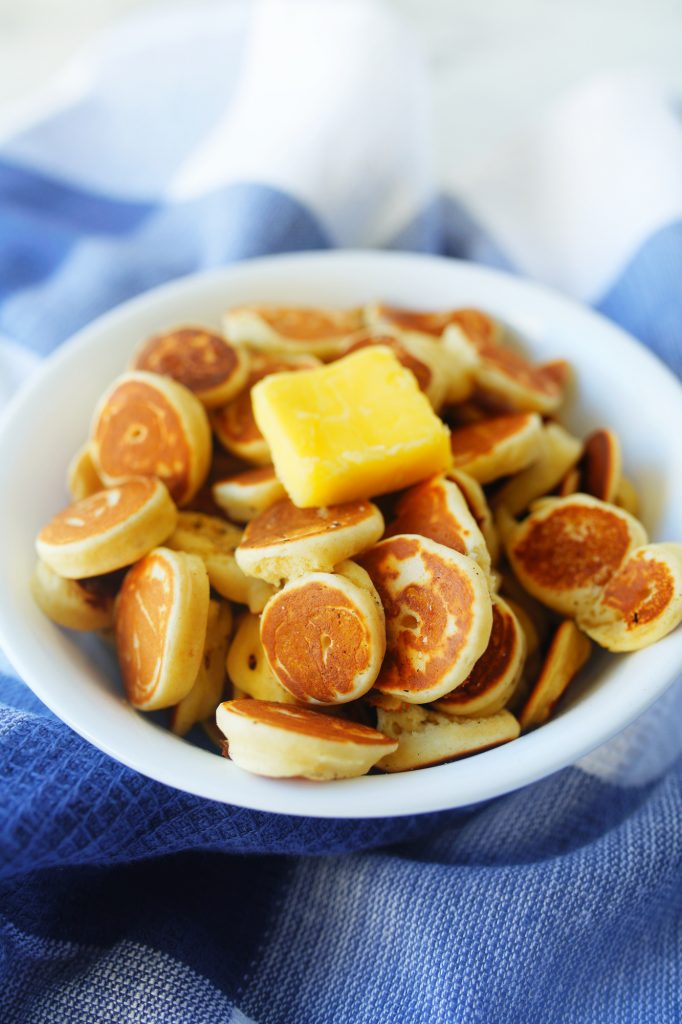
148	425
247	666
161	619
245	495
203	361
601	465
567	654
235	425
108	530
286	541
321	332
569	548
426	737
641	602
437	509
496	673
324	638
570	483
280	740
505	374
438	615
497	447
473	494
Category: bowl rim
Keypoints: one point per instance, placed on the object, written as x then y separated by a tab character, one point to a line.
455	784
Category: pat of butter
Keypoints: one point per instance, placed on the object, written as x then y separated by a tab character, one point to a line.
355	428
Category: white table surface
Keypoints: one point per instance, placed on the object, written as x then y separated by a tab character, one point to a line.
495	65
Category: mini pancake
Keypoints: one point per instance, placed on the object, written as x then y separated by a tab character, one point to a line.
438	616
437	509
282	741
422	334
244	496
293	329
518	597
148	425
473	494
497	447
324	638
558	452
81	477
215	541
570	483
567	549
627	496
203	361
247	666
494	677
567	654
161	618
425	737
108	530
505	374
601	465
286	541
75	604
641	603
235	426
223	465
207	691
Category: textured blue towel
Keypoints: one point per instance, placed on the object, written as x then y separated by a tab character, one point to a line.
189	141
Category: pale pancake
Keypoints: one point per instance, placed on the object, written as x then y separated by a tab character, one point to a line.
235	425
161	618
280	740
427	738
438	615
627	496
324	638
641	603
215	541
320	332
86	604
245	495
437	509
473	494
247	666
286	541
567	654
204	362
495	675
601	465
568	549
81	478
207	690
497	447
558	452
108	530
148	425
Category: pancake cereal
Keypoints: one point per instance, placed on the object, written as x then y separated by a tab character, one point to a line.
389	553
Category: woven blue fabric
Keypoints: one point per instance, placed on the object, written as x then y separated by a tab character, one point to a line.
122	900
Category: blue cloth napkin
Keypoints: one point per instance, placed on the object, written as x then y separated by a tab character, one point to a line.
190	140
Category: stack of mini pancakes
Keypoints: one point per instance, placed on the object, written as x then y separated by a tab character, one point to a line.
392	632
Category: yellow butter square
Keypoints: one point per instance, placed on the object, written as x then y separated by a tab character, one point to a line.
352	429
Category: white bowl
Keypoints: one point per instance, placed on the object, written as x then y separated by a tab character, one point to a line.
619	384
